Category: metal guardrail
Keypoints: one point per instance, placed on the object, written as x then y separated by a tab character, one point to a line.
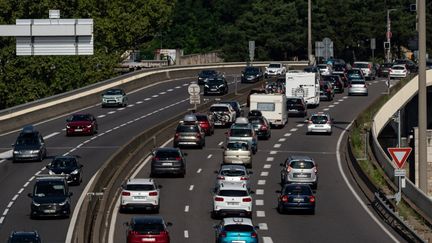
387	211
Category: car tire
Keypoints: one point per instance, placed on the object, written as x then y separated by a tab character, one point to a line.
156	209
280	209
282	180
312	212
214	215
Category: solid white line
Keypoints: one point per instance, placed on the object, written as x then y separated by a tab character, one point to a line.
259	191
264	173
270	159
186	234
267	166
259	202
199	170
31	178
261	182
263	226
282	140
293	129
209	156
186	208
191	187
1	161
51	135
267	239
278	145
260	214
339	161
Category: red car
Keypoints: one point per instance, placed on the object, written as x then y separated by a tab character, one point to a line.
206	123
81	124
147	229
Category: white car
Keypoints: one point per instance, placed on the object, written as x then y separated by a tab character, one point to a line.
367	69
140	193
223	114
233	174
398	71
232	199
275	69
320	123
325	69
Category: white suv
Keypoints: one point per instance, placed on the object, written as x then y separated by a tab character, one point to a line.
275	69
232	199
140	194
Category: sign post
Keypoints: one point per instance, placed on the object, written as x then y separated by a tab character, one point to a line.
399	157
194	92
251	51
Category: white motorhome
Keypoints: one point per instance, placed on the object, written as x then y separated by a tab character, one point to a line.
304	85
272	107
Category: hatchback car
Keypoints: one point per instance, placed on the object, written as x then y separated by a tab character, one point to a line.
216	85
251	75
355	73
68	166
326	90
24	237
114	97
385	69
239	230
367	69
243	132
398	71
234	174
301	170
357	87
81	124
189	133
140	193
296	106
261	126
336	82
147	229
296	197
320	123
29	145
238	152
205	75
232	199
206	123
167	160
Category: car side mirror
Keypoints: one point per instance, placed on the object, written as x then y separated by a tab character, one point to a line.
257	227
306	121
68	120
126	224
169	224
30	195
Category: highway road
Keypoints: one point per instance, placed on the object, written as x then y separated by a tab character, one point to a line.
341	214
147	107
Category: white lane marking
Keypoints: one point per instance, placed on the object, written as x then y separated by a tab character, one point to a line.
186	208
138	102
177	87
278	145
185	84
340	100
267	239
260	214
26	184
263	226
267	166
31	178
259	191
147	99
51	135
122	108
64	129
273	152
339	162
270	159
209	156
220	143
131	105
287	134
111	112
199	170
331	106
300	125
162	93
293	129
169	90
326	109
345	97
5	211
6	155
261	182
10	204
191	187
186	234
336	103
15	197
259	202
20	190
154	96
264	173
282	140
101	116
1	220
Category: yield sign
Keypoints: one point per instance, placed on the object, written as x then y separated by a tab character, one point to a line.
399	155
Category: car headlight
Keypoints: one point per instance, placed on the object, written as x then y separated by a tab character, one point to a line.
36	204
220	86
16	152
75	172
67	126
63	203
89	126
34	151
51	172
257	75
206	86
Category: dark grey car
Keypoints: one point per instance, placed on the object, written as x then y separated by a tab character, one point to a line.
29	145
168	161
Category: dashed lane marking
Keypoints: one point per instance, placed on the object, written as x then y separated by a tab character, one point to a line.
260	214
185	84
169	90
263	226
51	135
162	93
300	125
282	140
270	159
1	220
209	156
331	106
10	204
267	239
326	109
220	143
186	208
264	173
345	97
199	170
186	234
273	152
267	166
287	134
278	145
260	191
336	103
261	182
340	100
259	202
293	129
191	187
178	87
138	102
147	99
111	112
154	96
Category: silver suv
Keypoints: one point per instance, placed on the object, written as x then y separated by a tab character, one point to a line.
189	133
300	170
243	132
238	152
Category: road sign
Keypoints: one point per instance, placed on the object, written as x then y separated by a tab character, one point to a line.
389	34
194	89
399	155
251	50
399	172
372	43
194	100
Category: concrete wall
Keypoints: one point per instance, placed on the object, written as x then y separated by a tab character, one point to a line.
195	59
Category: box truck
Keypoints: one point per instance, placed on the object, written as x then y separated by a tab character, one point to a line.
272	107
304	85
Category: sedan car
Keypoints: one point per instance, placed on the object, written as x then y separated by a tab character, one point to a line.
66	165
24	237
167	160
398	71
81	124
29	145
216	85
299	169
251	75
114	97
140	193
234	174
296	197
357	87
320	123
231	230
205	75
147	229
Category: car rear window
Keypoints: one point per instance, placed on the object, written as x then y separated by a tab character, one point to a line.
398	68
357	82
274	66
113	92
149	228
299	189
361	65
137	187
319	119
187	128
233	193
237	146
218	108
167	154
240	132
256	120
232	173
300	164
201	117
63	163
294	101
80	118
238	228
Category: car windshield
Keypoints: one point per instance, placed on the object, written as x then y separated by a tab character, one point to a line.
361	65
80	118
357	81
50	188
166	154
398	68
208	72
240	132
218	109
293	190
300	164
251	71
238	228
143	228
233	193
232	173
319	119
113	92
330	78
27	140
294	101
233	104
274	65
63	163
23	239
237	146
187	128
138	187
215	81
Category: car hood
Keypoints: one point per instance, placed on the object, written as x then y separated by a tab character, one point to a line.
79	123
50	199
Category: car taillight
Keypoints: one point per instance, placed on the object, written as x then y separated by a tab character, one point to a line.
254	235
178	158
247	199
219	199
244	178
176	135
221	177
263	127
311	199
204	124
132	232
125	193
284	198
153	194
310	122
198	135
222	234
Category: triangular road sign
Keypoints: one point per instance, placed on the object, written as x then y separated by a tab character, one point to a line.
399	155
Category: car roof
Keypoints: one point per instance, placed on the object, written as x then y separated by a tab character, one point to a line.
29	129
399	65
51	178
166	149
147	219
233	167
244	221
300	157
140	181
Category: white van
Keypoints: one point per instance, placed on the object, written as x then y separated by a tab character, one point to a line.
272	107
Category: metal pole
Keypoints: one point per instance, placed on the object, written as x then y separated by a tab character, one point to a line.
388	35
422	109
399	128
310	31
235	85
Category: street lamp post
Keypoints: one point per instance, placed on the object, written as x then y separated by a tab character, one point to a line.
310	31
388	34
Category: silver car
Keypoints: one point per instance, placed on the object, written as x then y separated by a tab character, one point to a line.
238	152
320	123
300	170
357	87
140	193
233	174
114	97
243	132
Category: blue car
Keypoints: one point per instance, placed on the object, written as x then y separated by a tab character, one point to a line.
296	197
236	230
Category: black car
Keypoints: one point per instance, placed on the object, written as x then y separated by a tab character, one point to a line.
24	237
296	106
50	197
235	105
68	166
311	69
296	197
340	68
29	145
216	85
254	113
205	75
251	75
261	126
326	90
384	69
167	160
336	81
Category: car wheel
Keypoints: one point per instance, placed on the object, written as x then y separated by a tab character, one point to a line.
214	215
40	158
282	180
156	209
280	209
312	212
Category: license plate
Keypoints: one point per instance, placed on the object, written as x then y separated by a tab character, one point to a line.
292	110
78	130
148	239
218	123
319	125
49	211
301	176
167	164
111	101
237	162
213	89
298	199
139	197
238	241
232	203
